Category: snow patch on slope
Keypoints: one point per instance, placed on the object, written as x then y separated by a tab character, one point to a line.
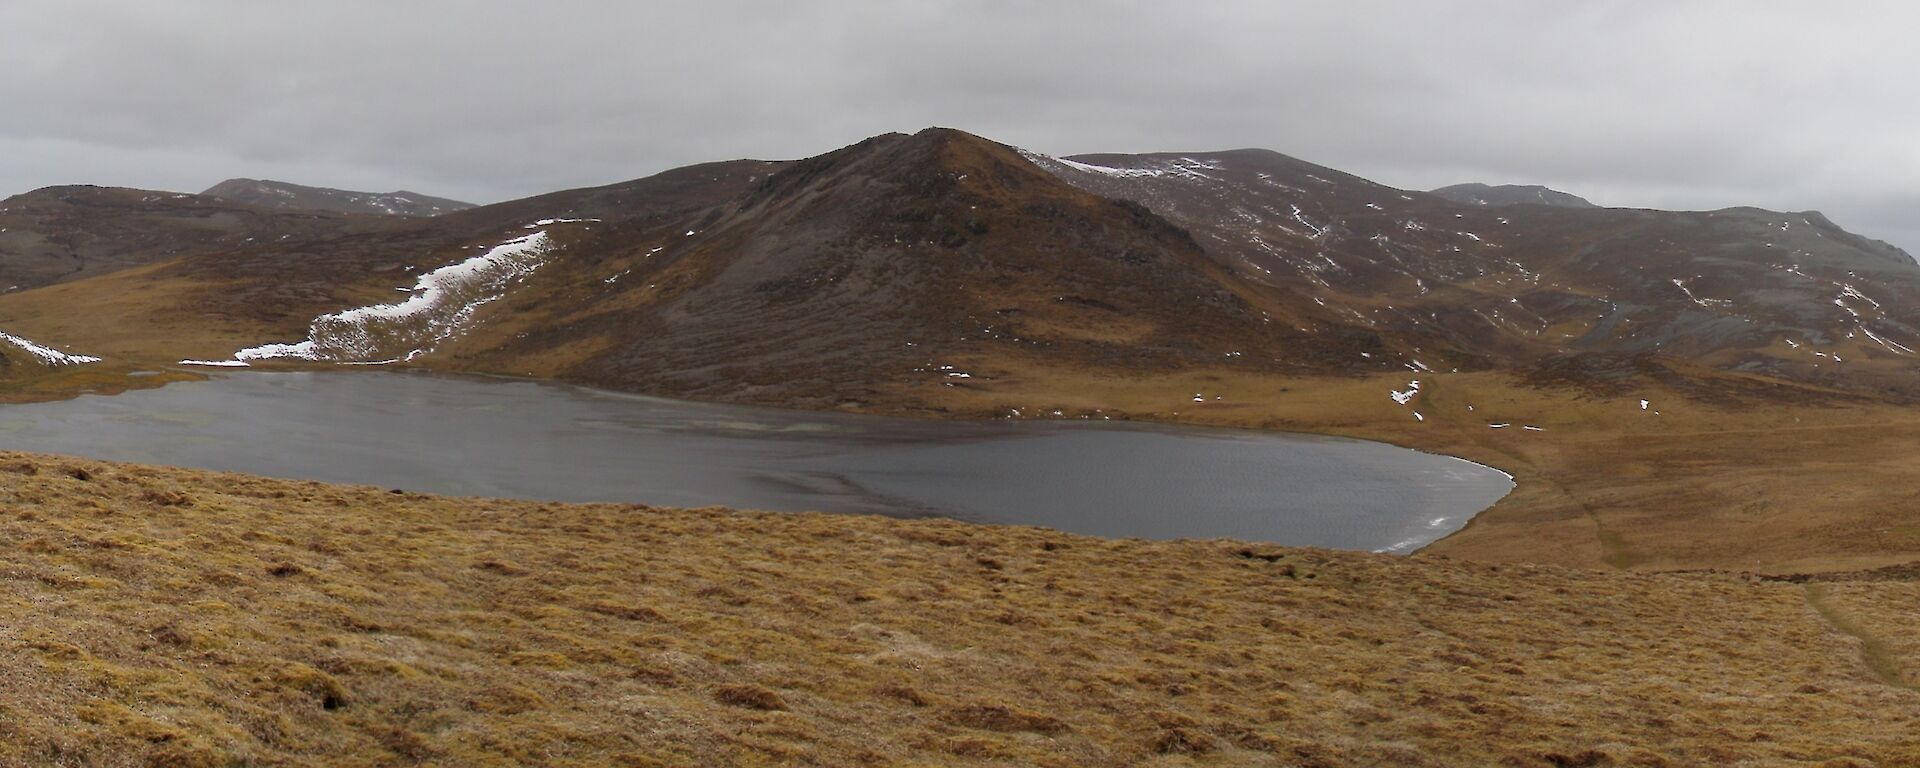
1891	345
45	354
1404	397
1179	168
1045	160
442	305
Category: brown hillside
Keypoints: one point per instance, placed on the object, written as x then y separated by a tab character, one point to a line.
882	261
178	618
62	234
1607	292
294	197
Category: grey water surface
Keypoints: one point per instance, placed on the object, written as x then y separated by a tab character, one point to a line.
486	437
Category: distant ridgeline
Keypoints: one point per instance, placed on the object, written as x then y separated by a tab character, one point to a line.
886	264
1510	194
279	194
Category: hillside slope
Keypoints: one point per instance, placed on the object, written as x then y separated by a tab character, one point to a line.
179	618
1589	296
206	297
61	234
1497	195
899	258
266	193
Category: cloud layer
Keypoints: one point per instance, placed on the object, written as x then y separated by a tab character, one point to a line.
1682	105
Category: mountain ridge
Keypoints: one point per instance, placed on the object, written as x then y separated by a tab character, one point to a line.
267	193
1507	287
1500	195
65	233
1328	272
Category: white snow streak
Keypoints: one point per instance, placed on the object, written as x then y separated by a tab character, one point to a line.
47	355
1682	285
1413	388
1891	345
1848	290
1040	159
442	304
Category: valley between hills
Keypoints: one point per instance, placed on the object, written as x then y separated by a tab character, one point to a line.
1708	415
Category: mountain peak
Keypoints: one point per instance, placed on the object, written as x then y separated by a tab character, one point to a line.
267	193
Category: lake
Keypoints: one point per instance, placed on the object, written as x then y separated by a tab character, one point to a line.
485	437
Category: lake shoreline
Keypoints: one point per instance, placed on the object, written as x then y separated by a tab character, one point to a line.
901	478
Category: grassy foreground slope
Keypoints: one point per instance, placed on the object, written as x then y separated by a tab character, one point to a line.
156	616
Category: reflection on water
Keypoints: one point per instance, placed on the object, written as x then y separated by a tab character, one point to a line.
480	437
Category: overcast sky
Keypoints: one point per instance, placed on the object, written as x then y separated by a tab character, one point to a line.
1656	104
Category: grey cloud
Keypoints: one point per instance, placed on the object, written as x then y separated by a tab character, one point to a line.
1691	105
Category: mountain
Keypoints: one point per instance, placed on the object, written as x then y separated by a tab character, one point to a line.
896	258
1510	194
60	234
294	197
872	273
810	281
1435	285
825	278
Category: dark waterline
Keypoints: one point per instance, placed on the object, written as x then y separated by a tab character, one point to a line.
481	437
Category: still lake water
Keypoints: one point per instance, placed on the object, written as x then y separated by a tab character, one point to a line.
483	437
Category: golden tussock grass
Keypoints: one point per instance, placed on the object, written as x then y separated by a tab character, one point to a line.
1727	475
167	617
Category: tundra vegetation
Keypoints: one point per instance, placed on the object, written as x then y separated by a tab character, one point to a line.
157	616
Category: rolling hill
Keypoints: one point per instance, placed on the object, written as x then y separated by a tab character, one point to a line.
60	234
1439	285
1509	194
265	193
